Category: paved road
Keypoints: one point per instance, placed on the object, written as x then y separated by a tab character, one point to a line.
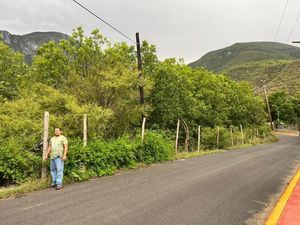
220	189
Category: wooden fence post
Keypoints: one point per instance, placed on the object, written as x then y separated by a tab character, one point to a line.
242	133
84	130
218	137
199	138
45	142
177	134
143	129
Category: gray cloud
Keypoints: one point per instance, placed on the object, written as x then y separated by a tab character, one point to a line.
179	28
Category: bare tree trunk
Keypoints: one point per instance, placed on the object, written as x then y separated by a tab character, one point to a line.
187	136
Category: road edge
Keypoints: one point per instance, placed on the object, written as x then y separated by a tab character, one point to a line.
280	205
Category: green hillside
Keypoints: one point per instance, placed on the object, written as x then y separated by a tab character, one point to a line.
276	74
241	53
261	63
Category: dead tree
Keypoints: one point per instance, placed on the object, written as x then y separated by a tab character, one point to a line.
187	135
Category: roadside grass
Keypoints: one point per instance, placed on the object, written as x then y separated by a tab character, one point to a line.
36	185
15	191
254	142
187	155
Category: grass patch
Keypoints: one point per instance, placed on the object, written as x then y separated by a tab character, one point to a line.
187	155
22	189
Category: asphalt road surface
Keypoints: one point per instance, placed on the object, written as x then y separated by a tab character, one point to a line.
220	189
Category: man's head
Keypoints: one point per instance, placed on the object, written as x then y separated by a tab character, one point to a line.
57	131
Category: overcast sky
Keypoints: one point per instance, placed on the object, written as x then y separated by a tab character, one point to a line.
179	28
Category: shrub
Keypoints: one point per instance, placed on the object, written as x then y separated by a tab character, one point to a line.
157	147
101	157
17	164
209	138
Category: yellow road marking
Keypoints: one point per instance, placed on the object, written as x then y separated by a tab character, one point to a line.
277	211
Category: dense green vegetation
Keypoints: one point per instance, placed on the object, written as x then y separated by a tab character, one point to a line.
89	75
285	109
277	75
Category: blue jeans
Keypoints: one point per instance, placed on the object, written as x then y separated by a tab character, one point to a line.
57	170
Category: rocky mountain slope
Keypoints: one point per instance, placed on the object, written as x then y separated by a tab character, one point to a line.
29	43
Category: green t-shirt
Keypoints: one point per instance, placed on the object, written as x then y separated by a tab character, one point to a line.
57	146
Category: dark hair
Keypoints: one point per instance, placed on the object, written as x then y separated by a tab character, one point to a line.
57	128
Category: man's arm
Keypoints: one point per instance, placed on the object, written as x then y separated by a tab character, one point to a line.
65	152
48	152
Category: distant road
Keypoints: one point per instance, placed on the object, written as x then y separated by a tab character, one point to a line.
221	189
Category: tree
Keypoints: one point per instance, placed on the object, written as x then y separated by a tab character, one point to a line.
281	103
171	97
12	71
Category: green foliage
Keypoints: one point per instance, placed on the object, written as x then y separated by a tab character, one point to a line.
200	97
156	147
12	70
279	75
101	157
284	108
171	96
23	118
250	135
96	72
258	73
209	138
17	164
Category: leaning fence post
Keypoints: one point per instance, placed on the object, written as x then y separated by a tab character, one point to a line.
45	142
84	130
199	138
177	134
143	129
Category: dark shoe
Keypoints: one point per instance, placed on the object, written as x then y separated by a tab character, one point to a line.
53	185
58	187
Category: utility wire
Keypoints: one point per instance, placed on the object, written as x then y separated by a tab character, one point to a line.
118	31
293	28
282	16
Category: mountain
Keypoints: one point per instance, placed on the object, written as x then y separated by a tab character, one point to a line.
276	74
241	53
29	43
260	63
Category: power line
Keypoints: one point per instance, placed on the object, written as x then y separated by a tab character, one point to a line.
282	16
82	6
293	28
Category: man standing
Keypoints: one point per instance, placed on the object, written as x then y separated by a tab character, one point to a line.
58	148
